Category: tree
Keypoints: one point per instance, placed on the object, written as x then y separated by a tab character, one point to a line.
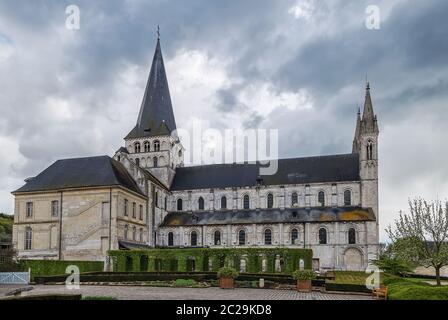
421	236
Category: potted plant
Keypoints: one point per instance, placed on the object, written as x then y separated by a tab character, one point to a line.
304	278
227	277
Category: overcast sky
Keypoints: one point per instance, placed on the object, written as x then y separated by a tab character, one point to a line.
298	66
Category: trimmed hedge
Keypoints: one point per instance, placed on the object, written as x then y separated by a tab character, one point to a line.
56	267
168	276
199	259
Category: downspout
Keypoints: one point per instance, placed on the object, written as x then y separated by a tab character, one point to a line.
110	218
60	229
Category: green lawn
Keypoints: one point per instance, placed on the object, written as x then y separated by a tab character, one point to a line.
399	288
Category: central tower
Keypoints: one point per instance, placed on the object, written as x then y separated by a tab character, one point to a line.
153	143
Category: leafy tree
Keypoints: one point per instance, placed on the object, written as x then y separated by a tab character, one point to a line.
421	236
393	265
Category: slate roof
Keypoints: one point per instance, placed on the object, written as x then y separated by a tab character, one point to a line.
80	173
156	115
128	245
290	215
334	168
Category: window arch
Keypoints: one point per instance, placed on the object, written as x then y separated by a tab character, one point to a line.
155	162
270	201
137	147
347	198
141	235
322	236
157	145
351	236
134	233
268	236
193	238
217	238
201	203
294	199
223	202
242	237
246	202
321	198
28	238
126	230
294	236
369	150
179	204
170	239
179	153
146	146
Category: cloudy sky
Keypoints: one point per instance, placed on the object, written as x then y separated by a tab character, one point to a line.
298	66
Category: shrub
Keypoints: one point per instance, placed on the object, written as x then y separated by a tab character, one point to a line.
304	275
227	273
185	283
393	265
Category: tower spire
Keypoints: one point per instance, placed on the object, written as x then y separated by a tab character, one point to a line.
156	115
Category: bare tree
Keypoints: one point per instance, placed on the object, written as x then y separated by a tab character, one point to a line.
421	236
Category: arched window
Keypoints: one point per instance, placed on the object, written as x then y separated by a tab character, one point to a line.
193	239
126	229
154	161
179	204
141	235
246	202
322	236
369	150
351	236
223	202
347	198
137	162
180	153
270	201
201	203
170	239
156	145
217	238
134	233
28	238
125	209
294	199
267	236
242	237
147	146
294	236
321	198
137	147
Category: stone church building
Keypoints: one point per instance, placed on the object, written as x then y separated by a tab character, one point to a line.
144	196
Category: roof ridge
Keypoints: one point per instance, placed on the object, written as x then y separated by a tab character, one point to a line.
341	155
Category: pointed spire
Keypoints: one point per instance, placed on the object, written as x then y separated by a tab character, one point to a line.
368	107
357	132
156	106
369	123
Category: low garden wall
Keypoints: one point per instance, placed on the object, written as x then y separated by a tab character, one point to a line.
248	260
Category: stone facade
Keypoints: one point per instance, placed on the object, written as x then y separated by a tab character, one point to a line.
90	225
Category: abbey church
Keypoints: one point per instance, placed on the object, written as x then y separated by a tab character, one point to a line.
143	196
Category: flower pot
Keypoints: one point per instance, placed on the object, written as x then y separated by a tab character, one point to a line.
304	285
226	283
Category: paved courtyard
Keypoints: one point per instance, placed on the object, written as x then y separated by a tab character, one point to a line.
163	293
